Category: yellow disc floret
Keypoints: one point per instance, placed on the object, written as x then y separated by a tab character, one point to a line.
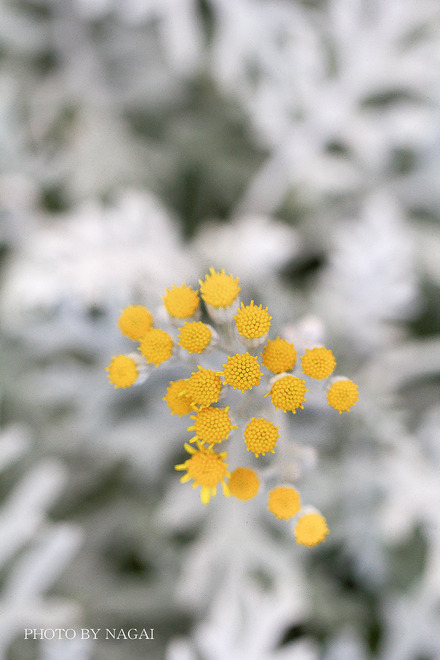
181	302
279	355
135	321
261	436
203	387
212	425
207	469
252	321
176	399
342	395
122	371
242	371
194	336
318	362
311	529
219	289
156	346
287	393
244	483
284	502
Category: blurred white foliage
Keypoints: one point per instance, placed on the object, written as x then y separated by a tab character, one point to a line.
370	280
333	92
346	646
99	254
257	246
426	245
178	25
21	517
247	585
14	442
95	255
414	473
66	649
306	77
34	550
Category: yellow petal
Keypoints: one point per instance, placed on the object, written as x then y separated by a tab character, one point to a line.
205	494
225	487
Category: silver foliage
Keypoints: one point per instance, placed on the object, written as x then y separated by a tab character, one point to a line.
296	144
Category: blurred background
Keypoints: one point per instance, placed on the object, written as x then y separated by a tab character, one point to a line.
295	143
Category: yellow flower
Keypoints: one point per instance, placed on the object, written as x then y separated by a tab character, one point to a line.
279	355
244	483
284	502
122	371
203	387
135	321
212	425
176	399
156	346
252	322
318	362
342	395
194	337
242	371
261	436
288	393
198	395
219	289
311	529
181	302
207	469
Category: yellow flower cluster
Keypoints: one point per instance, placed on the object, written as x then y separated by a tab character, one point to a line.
261	436
252	324
195	337
207	469
287	393
242	371
219	290
239	380
181	302
279	355
212	425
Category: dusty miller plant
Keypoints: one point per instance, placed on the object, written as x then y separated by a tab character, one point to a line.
319	152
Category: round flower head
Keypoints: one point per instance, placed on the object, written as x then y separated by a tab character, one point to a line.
212	425
279	355
261	436
135	321
318	362
253	324
284	502
244	483
156	346
203	387
311	529
288	393
195	336
122	371
220	294
207	469
342	395
176	399
242	371
181	302
219	289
